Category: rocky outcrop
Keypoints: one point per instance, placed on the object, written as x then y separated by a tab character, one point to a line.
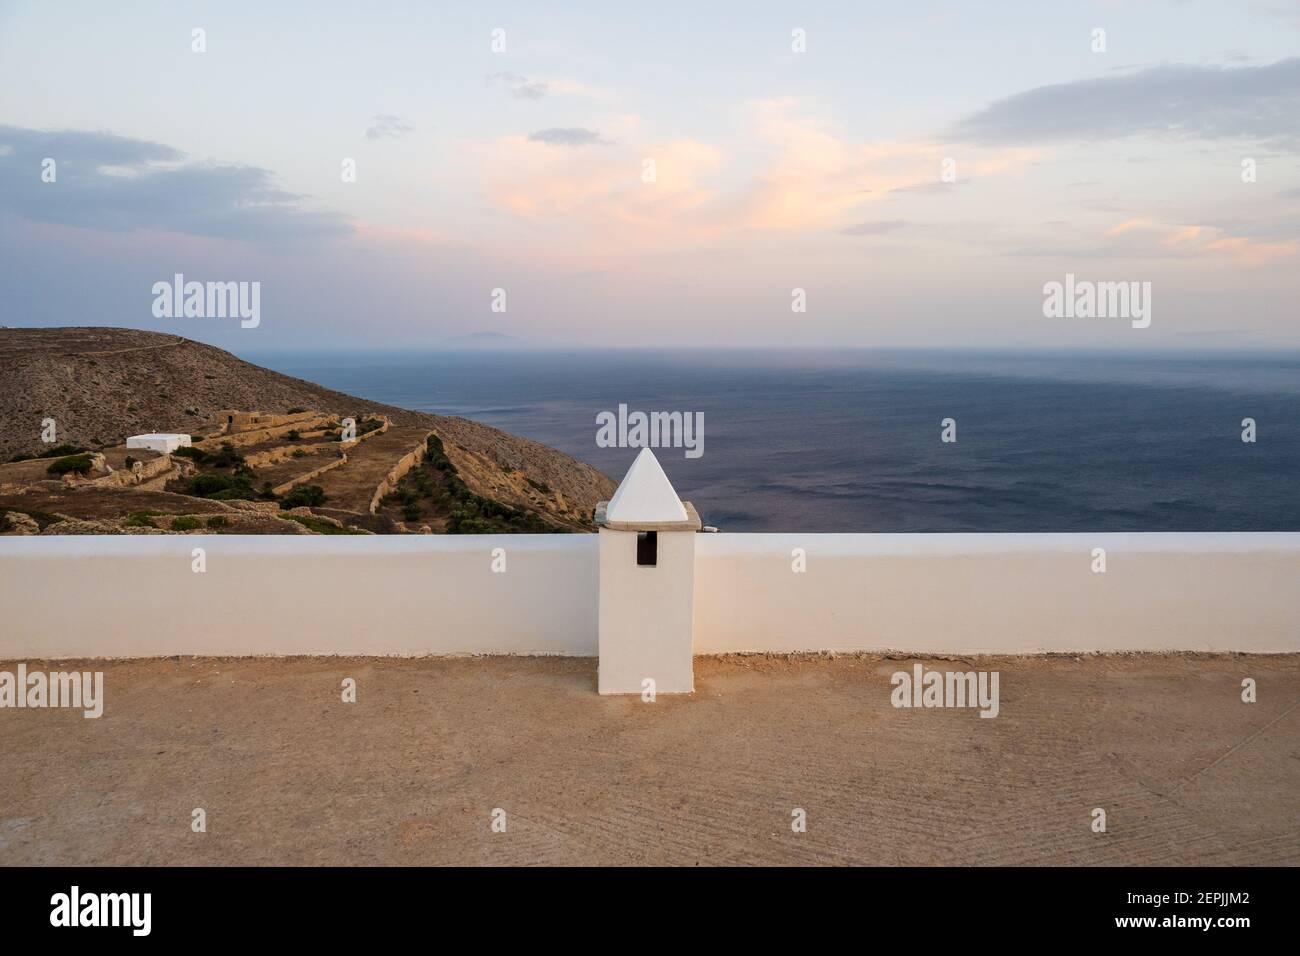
15	522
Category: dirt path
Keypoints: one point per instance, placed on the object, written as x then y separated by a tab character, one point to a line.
412	771
136	348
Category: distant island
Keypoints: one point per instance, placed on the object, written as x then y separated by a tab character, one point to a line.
485	340
220	445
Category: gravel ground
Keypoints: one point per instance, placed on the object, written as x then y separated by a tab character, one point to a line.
412	772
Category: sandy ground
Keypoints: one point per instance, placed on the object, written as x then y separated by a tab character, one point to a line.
411	773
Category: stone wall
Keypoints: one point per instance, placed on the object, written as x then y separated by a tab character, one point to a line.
378	431
398	471
254	436
285	452
138	473
308	476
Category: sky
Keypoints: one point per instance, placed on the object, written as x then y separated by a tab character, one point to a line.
670	174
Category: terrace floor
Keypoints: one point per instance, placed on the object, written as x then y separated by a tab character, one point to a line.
411	772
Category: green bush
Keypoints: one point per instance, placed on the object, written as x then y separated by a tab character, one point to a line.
294	435
243	493
139	519
220	487
58	451
78	464
225	458
309	495
319	526
189	451
296	411
218	521
185	523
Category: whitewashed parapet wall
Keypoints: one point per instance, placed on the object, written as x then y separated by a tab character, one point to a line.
137	596
998	593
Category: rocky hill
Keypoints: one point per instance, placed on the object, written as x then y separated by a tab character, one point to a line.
100	385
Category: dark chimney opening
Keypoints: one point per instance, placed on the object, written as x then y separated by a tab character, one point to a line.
647	549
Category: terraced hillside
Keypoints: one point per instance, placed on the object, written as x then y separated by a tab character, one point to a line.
100	385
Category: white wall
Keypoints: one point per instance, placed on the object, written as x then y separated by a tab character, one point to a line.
136	595
998	593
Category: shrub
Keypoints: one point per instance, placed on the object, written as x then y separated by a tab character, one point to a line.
299	453
294	435
189	451
58	451
309	495
218	521
139	519
226	457
234	494
205	485
185	523
296	410
319	526
220	487
78	464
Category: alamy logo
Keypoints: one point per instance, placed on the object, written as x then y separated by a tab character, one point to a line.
651	430
179	299
79	689
924	688
1084	299
103	909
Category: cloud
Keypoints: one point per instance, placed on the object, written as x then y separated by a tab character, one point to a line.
1260	103
875	228
1140	238
519	86
384	125
118	184
571	136
811	180
600	192
931	188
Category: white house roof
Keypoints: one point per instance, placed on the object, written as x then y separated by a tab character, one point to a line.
645	495
159	436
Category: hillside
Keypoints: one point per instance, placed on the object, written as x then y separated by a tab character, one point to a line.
101	385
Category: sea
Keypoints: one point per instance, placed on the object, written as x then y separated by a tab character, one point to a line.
837	441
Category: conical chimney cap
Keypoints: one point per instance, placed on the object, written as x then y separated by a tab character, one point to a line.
645	499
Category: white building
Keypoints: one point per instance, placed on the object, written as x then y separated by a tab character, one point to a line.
158	441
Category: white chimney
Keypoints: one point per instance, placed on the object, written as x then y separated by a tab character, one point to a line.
647	584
